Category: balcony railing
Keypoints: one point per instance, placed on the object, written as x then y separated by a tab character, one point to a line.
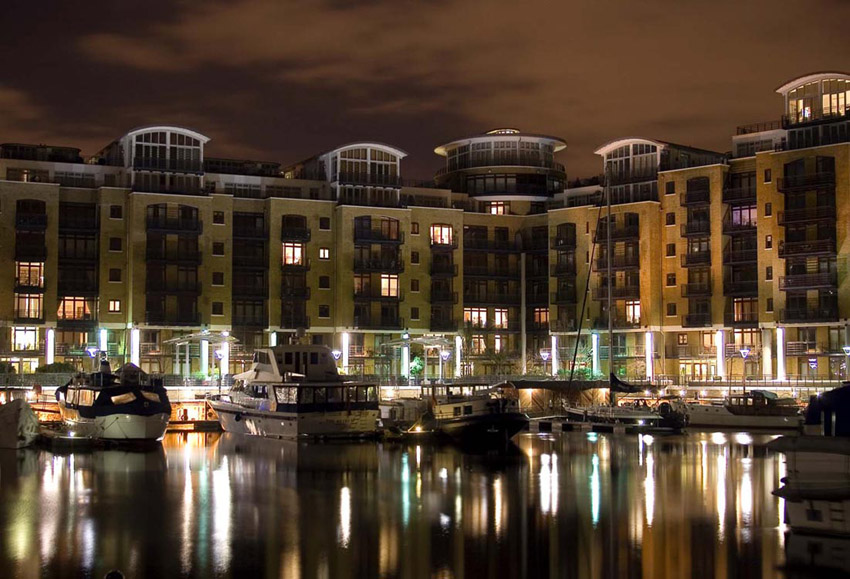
806	281
696	228
299	266
28	316
444	244
625	292
739	256
250	260
30	252
378	322
378	265
442	269
491	298
289	292
377	236
443	297
696	289
741	319
740	288
173	255
250	320
172	286
805	182
31	221
491	272
567	325
739	195
74	254
735	227
697	320
690	351
565	295
633	177
800	348
696	197
295	234
173	165
618	233
490	326
173	224
807	215
473	244
810	314
249	232
375	180
375	294
700	258
29	285
564	241
85	223
161	318
617	262
563	269
77	286
443	325
243	290
504	160
801	248
294	320
620	322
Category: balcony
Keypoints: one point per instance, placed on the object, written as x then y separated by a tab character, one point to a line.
491	298
625	292
444	244
619	322
160	318
507	326
378	322
802	348
377	236
250	260
697	320
625	178
288	292
443	297
498	245
250	320
696	289
250	291
29	252
369	179
563	269
679	351
807	281
31	221
567	325
443	269
173	224
171	165
297	266
172	286
564	295
77	286
443	325
82	322
696	228
30	286
739	195
378	265
375	294
249	232
297	234
503	160
294	320
805	182
807	215
537	298
81	223
736	227
807	248
700	196
77	254
618	262
697	259
564	241
808	315
741	319
740	288
29	317
618	233
739	256
156	254
510	272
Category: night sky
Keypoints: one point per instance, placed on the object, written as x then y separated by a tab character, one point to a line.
283	80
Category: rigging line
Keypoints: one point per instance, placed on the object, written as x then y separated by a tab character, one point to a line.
586	290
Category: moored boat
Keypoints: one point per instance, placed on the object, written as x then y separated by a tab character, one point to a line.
756	409
294	391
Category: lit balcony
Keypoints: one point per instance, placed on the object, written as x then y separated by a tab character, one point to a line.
808	315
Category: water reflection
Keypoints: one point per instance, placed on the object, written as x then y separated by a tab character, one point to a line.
574	505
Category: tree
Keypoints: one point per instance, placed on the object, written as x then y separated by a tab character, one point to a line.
416	366
56	368
6	368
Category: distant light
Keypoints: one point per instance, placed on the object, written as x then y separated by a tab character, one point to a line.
640	422
225	333
336	354
92	351
846	350
745	352
703	393
417	429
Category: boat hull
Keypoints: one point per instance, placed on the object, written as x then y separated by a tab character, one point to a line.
498	427
128	427
720	417
334	424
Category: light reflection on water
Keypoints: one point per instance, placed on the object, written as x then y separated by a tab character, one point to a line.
572	505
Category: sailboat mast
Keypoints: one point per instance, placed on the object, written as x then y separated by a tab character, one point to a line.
610	251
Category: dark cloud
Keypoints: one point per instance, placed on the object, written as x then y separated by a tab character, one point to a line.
284	80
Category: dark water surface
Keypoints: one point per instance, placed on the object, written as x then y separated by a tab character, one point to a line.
556	505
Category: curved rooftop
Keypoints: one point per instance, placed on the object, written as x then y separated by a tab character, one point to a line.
169	128
502	134
617	143
810	78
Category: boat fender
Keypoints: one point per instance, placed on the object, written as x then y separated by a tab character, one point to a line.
237	418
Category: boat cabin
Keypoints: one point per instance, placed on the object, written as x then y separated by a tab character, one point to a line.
294	362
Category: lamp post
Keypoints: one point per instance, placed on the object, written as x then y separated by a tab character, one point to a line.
92	352
744	353
444	357
545	354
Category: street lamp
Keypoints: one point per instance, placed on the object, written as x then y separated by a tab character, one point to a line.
444	357
744	353
336	354
545	353
846	361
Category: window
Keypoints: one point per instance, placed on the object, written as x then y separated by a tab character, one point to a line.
414	228
218	308
500	318
671	309
324	311
682	339
414	257
218	217
670	188
768	209
24	339
218	278
114	274
498	208
633	312
116	212
671	250
414	313
768	273
293	254
441	234
541	316
769	306
325	223
324	253
414	285
671	218
114	244
389	285
29	306
768	242
768	177
30	274
324	282
671	279
114	306
218	248
478	345
475	316
76	308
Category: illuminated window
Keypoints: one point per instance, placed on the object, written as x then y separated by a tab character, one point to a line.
683	339
541	315
74	308
478	345
633	312
115	306
30	274
500	318
441	234
24	339
389	285
498	208
293	254
29	306
497	343
475	316
324	253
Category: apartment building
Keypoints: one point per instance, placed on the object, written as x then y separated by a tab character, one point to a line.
721	264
